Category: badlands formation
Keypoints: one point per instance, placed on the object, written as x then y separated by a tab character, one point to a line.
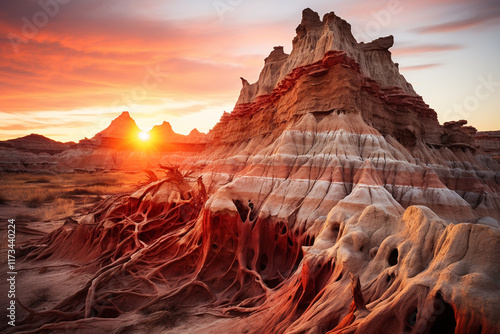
115	148
330	200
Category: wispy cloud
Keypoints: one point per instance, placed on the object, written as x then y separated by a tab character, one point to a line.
38	125
419	67
84	58
477	14
427	48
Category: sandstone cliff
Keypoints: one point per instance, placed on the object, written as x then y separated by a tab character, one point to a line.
314	38
489	142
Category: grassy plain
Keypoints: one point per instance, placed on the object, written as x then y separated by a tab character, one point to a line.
28	197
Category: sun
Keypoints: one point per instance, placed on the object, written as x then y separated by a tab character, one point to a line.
144	136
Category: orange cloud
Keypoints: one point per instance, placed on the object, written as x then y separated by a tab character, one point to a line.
84	66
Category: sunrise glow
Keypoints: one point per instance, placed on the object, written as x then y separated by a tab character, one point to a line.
181	61
144	136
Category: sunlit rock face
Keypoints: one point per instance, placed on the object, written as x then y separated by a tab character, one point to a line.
330	200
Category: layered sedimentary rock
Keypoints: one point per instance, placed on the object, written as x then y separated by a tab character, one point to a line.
330	200
489	142
314	38
30	153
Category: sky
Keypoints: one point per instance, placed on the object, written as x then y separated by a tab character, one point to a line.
69	67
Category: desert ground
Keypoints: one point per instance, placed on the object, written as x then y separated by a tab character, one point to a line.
40	204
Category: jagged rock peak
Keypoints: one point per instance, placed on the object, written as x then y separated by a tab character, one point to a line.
277	54
163	131
166	125
121	127
310	20
315	37
382	43
125	114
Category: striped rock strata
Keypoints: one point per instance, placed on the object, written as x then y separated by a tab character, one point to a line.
329	201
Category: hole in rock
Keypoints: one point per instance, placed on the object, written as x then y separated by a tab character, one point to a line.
242	210
393	257
335	232
263	262
412	317
253	213
249	257
445	322
283	229
339	278
290	242
109	313
273	283
309	241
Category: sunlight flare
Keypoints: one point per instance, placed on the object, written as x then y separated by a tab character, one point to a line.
144	136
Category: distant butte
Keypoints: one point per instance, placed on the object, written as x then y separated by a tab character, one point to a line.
115	147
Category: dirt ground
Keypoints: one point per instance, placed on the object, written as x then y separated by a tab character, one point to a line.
39	205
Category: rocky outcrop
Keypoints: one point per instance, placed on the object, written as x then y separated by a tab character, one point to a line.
344	89
489	142
123	128
315	37
456	133
163	135
115	148
31	153
334	202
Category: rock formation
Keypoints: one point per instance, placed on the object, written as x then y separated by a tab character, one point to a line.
116	147
489	142
36	144
330	200
30	153
121	128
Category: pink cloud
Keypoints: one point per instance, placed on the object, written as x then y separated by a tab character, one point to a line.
418	49
419	67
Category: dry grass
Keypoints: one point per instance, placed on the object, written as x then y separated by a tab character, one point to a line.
61	208
54	197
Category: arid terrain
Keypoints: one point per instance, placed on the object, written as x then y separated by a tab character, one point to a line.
330	200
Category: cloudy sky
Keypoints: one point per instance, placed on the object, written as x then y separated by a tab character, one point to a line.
68	67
